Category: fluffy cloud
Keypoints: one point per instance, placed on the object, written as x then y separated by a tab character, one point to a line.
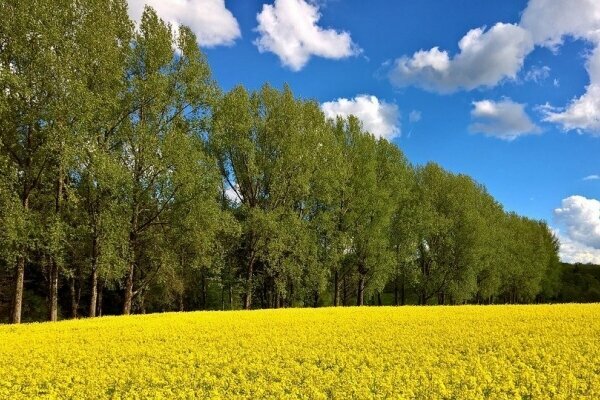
591	178
575	252
550	20
582	113
581	218
289	29
212	23
378	117
485	58
504	119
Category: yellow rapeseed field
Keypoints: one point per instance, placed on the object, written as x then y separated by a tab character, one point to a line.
464	352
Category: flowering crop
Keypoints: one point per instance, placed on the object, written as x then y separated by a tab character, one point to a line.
545	351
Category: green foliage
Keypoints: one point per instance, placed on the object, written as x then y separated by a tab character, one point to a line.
130	183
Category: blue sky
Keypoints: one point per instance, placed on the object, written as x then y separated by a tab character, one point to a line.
505	91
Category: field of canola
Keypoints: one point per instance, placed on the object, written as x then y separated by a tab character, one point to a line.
463	352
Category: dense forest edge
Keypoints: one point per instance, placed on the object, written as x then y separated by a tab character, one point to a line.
131	183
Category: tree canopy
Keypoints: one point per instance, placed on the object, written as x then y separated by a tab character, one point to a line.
129	182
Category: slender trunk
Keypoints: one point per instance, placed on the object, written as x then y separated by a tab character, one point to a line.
54	267
360	299
93	293
396	291
344	291
336	289
94	278
248	294
99	303
18	293
403	291
74	302
128	300
379	302
204	290
362	273
222	297
17	304
129	290
230	296
53	293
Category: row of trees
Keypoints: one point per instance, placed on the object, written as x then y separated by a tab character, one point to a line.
130	183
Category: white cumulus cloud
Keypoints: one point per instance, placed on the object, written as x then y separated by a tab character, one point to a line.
580	217
485	58
579	235
504	119
591	178
212	23
550	20
576	252
489	57
582	113
378	117
289	29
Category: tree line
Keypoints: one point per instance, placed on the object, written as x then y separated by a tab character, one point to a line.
131	183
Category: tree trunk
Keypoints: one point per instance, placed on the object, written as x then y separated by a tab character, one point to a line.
94	278
222	297
93	293
129	290
248	294
54	267
360	299
17	305
344	290
336	289
133	238
74	302
203	290
53	293
396	291
403	292
99	303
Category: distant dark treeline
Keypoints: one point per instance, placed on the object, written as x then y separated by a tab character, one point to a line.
580	283
130	183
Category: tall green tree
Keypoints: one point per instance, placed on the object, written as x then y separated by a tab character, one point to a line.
170	88
42	103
